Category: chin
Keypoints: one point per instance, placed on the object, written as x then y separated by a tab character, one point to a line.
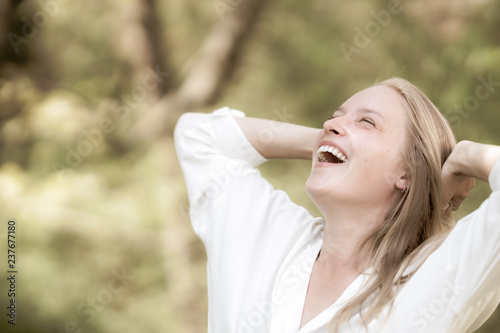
318	190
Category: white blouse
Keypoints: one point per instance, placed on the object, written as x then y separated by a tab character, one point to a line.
261	247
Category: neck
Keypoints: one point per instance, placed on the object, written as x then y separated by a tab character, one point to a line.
345	231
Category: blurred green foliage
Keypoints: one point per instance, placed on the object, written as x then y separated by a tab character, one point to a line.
122	205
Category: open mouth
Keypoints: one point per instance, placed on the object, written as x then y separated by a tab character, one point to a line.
328	154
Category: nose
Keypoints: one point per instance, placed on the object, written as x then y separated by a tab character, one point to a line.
334	126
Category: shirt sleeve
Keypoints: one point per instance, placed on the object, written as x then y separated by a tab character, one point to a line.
232	207
219	166
211	150
248	228
473	248
458	286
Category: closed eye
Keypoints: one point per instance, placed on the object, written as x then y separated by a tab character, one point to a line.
368	120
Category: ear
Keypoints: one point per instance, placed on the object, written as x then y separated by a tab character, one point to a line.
402	182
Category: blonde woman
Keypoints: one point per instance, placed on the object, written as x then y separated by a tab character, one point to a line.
385	257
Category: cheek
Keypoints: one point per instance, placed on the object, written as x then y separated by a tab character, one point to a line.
379	167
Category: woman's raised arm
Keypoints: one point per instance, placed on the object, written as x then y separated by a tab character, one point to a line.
274	139
476	159
467	161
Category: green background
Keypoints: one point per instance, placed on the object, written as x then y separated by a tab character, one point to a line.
122	205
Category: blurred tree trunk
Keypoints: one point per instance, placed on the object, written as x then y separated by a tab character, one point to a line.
141	45
211	70
5	21
158	48
14	46
218	56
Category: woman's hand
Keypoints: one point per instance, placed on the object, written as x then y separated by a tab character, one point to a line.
467	161
457	185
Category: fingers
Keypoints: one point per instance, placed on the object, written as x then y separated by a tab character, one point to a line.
457	191
456	183
456	203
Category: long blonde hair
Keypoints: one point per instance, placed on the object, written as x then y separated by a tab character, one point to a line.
418	220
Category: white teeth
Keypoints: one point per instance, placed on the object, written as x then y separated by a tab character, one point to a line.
333	151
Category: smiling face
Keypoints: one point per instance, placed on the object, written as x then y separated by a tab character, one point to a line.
354	195
355	159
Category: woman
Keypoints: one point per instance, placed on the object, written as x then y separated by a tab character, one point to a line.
387	257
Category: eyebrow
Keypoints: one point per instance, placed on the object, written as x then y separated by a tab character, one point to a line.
363	110
372	111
